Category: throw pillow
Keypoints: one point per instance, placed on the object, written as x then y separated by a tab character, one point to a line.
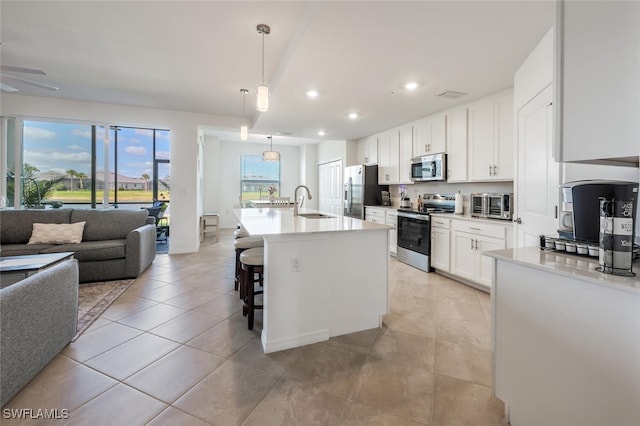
56	233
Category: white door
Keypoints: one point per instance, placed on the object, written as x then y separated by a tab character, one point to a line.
538	174
330	187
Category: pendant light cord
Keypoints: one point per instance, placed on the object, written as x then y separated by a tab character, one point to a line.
263	57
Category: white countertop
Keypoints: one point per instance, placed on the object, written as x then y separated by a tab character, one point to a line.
282	221
573	266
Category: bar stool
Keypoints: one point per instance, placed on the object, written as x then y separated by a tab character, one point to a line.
251	263
240	233
242	244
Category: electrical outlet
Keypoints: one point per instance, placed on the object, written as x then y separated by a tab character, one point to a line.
295	264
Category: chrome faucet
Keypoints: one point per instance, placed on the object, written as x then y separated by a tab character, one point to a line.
295	198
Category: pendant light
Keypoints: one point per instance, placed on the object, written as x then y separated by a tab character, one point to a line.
271	155
262	102
244	129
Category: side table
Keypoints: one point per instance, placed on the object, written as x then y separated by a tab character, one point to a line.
208	220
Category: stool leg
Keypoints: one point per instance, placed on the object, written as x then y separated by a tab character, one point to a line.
237	277
250	295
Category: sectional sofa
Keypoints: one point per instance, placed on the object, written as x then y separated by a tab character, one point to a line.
38	317
112	244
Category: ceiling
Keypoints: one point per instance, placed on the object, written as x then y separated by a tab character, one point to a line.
196	56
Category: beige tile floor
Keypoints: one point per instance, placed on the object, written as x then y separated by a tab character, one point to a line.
174	349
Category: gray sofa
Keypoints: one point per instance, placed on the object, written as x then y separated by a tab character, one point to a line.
38	317
115	243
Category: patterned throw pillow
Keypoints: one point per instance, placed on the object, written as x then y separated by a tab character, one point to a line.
56	233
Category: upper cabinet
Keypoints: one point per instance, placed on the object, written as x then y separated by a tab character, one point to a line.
389	157
406	153
368	150
429	135
457	145
598	82
490	138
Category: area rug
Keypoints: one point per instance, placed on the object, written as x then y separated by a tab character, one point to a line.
94	299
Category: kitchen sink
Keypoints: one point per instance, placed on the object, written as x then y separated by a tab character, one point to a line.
315	215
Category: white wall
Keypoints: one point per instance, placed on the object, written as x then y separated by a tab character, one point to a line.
226	168
332	150
309	172
184	147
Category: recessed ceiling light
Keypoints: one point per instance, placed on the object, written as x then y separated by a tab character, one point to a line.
412	85
321	133
353	115
312	94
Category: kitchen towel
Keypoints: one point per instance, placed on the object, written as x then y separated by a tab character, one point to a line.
458	204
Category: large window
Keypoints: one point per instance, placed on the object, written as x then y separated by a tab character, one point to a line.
258	179
65	163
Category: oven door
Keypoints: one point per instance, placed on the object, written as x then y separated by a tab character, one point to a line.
414	231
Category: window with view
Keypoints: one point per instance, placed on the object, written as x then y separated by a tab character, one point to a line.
259	179
64	163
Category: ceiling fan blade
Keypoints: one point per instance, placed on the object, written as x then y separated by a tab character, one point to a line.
7	88
11	68
14	79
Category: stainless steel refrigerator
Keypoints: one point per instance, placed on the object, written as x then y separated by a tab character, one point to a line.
361	189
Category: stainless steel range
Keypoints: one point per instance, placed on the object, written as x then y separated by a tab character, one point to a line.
414	229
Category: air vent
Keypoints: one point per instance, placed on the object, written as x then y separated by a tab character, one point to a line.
452	94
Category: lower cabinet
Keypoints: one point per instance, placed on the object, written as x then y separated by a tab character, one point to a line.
385	216
440	243
392	220
457	248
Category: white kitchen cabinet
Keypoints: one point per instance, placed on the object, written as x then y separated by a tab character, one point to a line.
597	99
429	135
406	153
375	215
367	150
385	217
468	240
490	138
440	243
457	146
392	220
388	157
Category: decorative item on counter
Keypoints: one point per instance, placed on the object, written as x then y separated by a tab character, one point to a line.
560	245
616	237
419	204
386	198
570	247
459	202
550	243
582	248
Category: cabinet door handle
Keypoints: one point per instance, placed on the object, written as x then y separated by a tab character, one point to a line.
495	170
471	243
490	170
476	244
475	229
426	149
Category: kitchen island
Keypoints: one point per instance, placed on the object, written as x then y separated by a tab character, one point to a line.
566	339
323	276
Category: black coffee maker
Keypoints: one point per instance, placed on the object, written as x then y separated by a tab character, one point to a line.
580	212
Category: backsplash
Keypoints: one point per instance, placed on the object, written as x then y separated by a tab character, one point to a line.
465	188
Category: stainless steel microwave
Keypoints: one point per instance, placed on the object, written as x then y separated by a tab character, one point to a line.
429	167
492	205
